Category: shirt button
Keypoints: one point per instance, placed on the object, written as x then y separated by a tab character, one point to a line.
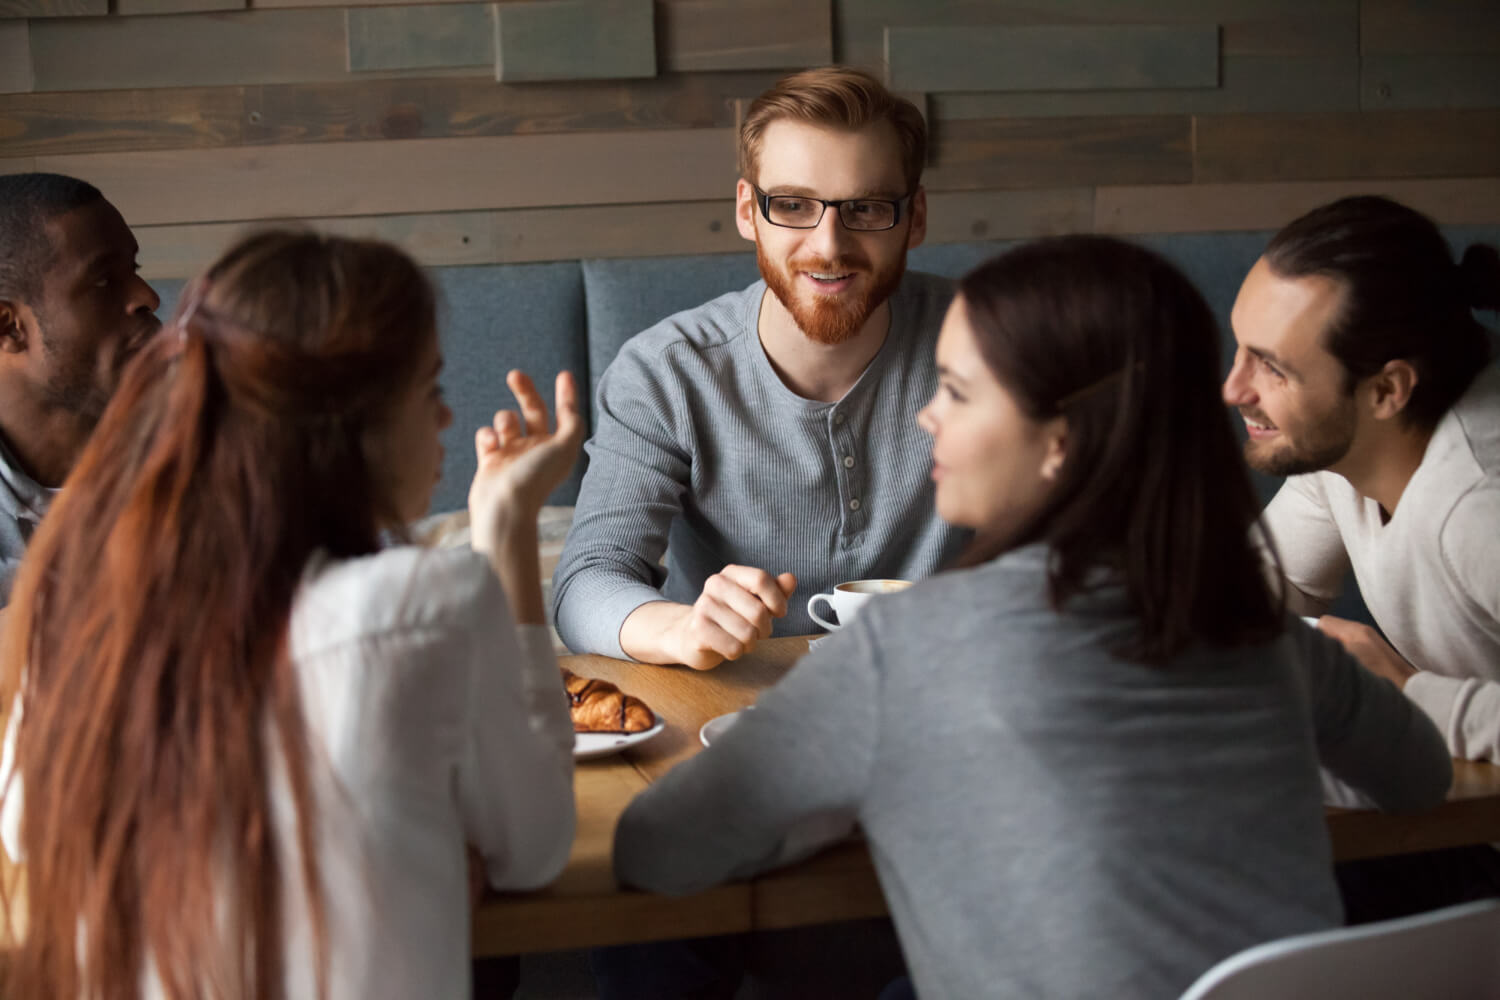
838	418
854	504
848	461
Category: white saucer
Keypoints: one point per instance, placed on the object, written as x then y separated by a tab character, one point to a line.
718	726
587	746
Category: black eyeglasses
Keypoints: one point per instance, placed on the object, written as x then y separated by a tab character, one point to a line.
797	211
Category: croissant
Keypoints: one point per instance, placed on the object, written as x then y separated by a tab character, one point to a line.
600	707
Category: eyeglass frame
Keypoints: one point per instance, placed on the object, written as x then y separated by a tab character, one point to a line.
763	199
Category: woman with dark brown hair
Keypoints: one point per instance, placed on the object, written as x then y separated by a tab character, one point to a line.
254	733
1086	759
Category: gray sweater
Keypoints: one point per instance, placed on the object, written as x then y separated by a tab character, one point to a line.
23	502
1047	820
701	451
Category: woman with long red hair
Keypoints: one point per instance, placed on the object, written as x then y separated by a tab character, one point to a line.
253	730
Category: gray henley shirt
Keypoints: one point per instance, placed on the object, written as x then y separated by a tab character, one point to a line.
23	502
701	451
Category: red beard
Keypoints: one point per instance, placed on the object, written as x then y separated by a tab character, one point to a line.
828	319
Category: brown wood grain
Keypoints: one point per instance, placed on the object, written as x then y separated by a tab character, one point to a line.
185	50
1053	152
487	237
1430	80
121	120
409	176
53	8
1429	26
468	106
15	60
697	35
132	7
960	216
1234	148
1182	208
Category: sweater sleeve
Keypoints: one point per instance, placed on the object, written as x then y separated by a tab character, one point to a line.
515	781
1465	704
637	475
1370	737
1307	543
786	779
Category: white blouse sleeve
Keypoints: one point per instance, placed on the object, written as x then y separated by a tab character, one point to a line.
515	781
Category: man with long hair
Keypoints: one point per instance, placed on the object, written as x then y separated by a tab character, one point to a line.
765	440
1363	375
73	311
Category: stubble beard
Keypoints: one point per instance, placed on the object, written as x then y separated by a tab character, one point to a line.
1327	443
826	319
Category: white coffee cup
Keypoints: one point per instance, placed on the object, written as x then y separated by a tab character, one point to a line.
847	598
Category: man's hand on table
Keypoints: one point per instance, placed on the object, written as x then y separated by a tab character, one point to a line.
1368	647
735	611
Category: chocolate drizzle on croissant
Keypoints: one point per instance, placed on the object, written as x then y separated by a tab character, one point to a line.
601	707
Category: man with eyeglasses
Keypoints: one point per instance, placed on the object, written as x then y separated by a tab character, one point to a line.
766	441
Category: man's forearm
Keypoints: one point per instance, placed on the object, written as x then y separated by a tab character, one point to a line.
645	633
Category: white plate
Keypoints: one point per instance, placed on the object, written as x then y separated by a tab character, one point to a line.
718	726
587	746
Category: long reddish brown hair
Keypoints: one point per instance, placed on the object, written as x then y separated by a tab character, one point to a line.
147	633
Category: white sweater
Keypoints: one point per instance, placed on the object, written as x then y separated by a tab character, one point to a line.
433	721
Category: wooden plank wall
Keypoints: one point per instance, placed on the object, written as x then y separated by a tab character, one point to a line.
482	132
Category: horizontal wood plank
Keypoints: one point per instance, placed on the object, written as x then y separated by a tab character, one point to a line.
17	165
1429	26
1190	208
467	106
414	175
491	237
384	38
53	8
1366	145
1052	57
961	216
121	120
1053	152
575	40
135	7
1267	27
1248	83
717	35
181	50
1450	80
15	60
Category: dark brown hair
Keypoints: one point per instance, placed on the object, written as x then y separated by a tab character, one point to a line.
1152	489
1403	297
838	97
147	636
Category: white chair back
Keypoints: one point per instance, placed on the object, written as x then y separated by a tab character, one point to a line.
1453	954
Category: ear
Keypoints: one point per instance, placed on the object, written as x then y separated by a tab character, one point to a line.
17	326
917	232
745	209
1056	433
1391	388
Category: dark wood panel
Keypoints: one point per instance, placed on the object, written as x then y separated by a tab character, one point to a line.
1052	57
1268	27
384	38
184	50
15	58
1249	83
1447	80
134	7
1355	146
575	40
413	175
744	34
53	8
960	216
1052	152
1207	208
436	108
95	122
1412	26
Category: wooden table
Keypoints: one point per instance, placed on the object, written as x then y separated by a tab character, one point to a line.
586	908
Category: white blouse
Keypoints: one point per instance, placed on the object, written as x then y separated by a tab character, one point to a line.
433	720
